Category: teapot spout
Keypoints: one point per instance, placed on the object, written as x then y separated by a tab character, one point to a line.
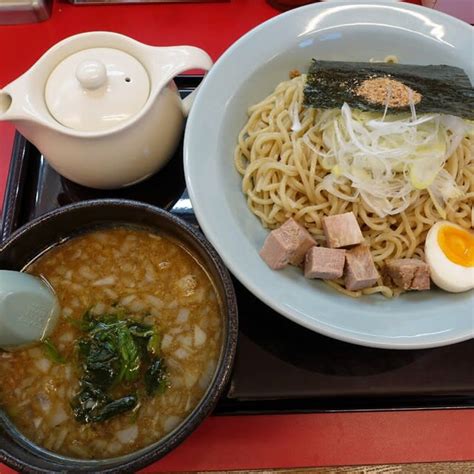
14	102
16	107
5	105
18	100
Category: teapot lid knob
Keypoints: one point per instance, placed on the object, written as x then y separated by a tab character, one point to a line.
92	74
97	89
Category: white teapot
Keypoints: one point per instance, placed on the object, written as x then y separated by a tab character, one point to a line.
103	108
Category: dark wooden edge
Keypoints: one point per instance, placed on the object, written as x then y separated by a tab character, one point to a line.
14	187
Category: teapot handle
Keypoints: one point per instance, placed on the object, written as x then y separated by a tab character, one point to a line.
186	58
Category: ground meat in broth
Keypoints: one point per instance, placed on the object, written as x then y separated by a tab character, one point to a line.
157	282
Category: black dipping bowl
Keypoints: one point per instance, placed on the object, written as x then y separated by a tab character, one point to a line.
54	227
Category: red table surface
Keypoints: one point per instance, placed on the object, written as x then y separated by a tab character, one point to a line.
243	442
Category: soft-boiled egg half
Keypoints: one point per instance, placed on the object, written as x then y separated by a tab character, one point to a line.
449	251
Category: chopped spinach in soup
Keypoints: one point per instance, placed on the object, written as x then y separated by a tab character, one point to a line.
133	353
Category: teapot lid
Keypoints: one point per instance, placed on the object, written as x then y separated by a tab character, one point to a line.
96	89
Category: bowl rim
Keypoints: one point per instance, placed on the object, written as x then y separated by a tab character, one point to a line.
200	212
155	451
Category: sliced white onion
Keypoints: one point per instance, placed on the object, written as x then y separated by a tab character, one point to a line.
171	422
66	336
154	237
183	315
87	273
188	403
110	293
128	435
59	416
75	303
125	248
386	160
294	111
99	308
102	237
127	300
77	254
114	447
190	378
185	340
67	372
44	402
137	306
442	189
197	296
149	319
106	281
154	301
166	342
207	375
199	336
176	382
43	365
181	353
99	444
150	274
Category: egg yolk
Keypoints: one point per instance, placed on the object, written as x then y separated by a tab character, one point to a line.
457	245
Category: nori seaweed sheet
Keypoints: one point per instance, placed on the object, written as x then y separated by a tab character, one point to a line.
444	89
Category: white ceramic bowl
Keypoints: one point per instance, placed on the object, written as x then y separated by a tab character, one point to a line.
249	71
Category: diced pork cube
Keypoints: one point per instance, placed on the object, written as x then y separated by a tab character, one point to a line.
321	262
360	269
342	230
287	244
408	273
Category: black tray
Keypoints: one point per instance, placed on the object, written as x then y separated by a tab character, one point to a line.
280	366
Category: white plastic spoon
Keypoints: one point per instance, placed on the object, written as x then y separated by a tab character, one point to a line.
29	309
